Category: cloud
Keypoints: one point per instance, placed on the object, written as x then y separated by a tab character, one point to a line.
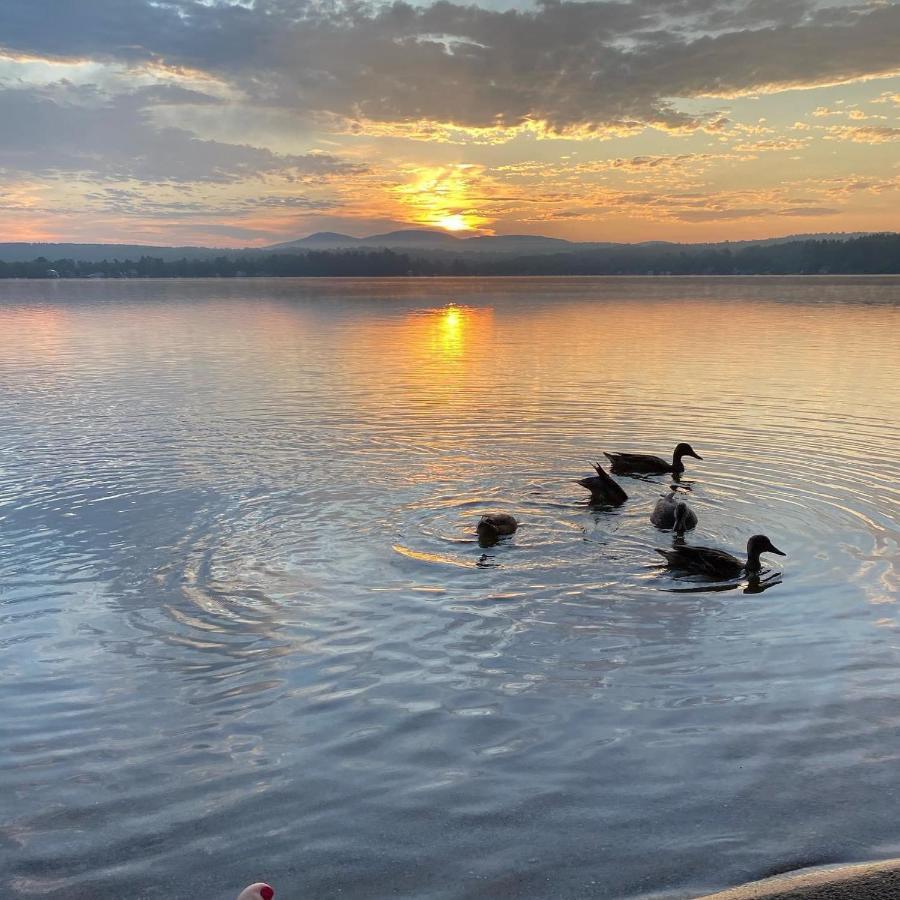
62	129
772	145
847	112
842	187
808	211
584	66
725	214
863	134
148	204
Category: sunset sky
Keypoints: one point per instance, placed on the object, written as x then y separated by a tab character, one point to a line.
246	122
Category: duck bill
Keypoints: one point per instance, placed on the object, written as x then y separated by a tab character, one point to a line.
774	549
695	455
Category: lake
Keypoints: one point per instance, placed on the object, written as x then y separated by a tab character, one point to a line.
246	631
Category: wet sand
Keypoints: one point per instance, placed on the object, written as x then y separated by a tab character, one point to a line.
866	881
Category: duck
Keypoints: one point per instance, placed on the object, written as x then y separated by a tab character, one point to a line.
258	891
719	563
670	512
494	526
603	488
645	464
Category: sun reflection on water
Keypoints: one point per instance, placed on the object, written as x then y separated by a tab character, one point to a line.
444	350
452	322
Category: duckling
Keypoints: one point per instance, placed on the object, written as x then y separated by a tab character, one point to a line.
603	488
663	515
685	518
494	526
718	563
672	513
644	463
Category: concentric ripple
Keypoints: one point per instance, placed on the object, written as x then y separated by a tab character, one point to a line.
248	631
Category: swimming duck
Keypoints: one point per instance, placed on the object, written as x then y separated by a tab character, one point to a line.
644	463
718	563
494	526
258	891
603	488
672	513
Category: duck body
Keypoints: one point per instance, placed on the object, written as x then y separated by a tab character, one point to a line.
645	464
719	563
603	488
670	512
494	526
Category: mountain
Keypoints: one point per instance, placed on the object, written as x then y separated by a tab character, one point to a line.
873	254
792	238
441	243
413	238
421	243
421	239
522	243
321	240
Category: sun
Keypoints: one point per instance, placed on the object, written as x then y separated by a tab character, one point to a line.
454	223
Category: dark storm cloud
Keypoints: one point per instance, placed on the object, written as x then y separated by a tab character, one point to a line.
64	129
589	65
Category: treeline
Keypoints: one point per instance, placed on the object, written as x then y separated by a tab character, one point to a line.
870	255
372	263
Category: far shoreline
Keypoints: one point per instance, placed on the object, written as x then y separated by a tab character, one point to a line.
875	254
887	276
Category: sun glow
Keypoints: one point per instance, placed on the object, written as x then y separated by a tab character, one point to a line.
455	222
441	197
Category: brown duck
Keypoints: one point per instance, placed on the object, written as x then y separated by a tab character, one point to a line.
670	512
645	464
718	563
495	526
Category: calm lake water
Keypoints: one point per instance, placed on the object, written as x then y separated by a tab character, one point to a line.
245	631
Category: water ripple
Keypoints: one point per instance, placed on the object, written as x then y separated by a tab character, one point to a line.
247	630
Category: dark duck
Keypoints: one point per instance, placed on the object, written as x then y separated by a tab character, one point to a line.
645	464
495	526
603	489
670	512
718	563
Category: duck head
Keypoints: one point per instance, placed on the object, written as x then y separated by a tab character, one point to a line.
258	891
758	544
684	449
681	511
487	533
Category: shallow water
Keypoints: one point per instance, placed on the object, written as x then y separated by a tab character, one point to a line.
245	630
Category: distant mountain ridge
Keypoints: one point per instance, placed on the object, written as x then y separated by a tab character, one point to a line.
413	241
425	239
873	254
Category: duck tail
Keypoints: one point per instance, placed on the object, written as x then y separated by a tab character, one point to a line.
610	456
664	554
